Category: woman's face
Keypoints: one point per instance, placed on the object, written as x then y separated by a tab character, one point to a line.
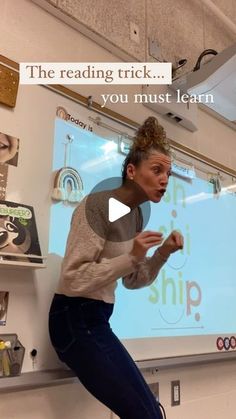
8	147
152	175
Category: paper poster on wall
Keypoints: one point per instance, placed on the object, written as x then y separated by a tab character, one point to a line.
3	180
18	233
9	149
77	119
4	297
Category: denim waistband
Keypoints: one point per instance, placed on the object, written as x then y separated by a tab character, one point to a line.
61	300
89	308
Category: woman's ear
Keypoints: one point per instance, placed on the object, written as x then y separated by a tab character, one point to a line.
130	171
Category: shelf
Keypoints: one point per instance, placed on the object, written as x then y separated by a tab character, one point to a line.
35	379
16	263
8	263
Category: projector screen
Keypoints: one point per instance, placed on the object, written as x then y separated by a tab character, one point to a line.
190	307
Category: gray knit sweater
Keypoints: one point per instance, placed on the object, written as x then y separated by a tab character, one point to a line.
93	263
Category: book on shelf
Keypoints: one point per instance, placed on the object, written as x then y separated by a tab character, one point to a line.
18	233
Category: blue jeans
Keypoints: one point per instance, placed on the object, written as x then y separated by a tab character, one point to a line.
82	337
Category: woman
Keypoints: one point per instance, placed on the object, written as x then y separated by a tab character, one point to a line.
95	258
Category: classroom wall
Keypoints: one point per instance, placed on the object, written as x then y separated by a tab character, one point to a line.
182	28
28	33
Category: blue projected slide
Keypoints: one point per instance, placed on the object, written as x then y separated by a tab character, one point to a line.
194	293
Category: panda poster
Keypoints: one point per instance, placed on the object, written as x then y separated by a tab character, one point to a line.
18	233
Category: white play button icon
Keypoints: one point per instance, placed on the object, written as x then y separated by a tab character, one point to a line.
116	209
109	217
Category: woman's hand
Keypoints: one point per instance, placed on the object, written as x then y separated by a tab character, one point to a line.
144	241
174	242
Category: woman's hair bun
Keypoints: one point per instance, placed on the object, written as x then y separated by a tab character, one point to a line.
151	135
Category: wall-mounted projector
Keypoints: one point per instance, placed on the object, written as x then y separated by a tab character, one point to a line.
216	78
171	105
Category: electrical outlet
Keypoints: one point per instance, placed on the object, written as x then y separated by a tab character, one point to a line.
134	32
175	393
154	387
